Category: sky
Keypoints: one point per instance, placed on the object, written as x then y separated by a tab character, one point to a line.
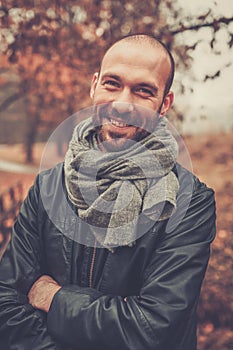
210	107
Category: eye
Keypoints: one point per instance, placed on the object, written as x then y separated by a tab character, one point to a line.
144	92
111	84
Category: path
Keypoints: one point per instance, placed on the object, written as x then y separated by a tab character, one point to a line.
17	168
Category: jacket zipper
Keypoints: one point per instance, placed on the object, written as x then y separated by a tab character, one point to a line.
92	266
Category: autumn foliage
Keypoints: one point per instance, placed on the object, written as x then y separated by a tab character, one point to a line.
54	47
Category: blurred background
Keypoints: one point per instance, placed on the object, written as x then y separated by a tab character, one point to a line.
48	53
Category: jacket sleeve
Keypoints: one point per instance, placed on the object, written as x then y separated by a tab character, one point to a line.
88	319
21	326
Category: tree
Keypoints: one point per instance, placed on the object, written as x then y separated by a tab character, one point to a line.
54	47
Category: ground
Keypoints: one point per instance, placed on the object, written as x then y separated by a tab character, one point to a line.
212	161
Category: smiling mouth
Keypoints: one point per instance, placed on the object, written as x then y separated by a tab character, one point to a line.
118	124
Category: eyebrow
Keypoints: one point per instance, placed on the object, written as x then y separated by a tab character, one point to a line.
142	84
109	75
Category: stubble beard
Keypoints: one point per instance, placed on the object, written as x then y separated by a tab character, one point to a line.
113	141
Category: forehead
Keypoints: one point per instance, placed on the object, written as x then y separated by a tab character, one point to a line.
137	60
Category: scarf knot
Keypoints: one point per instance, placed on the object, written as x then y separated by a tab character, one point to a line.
118	192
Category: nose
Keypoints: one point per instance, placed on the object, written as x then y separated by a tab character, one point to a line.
123	101
122	107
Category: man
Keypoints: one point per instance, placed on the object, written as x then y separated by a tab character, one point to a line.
90	269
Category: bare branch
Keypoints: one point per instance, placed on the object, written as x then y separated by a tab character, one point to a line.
9	100
215	75
214	24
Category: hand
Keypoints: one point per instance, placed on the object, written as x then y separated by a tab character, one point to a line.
42	292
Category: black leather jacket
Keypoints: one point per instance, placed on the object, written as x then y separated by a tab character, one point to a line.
137	298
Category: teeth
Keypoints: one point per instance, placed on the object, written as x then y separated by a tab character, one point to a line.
119	124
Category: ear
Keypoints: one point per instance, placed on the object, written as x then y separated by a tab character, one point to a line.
167	103
93	84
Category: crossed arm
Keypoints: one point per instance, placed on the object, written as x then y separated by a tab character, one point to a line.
42	292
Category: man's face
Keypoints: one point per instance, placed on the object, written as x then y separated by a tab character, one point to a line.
129	93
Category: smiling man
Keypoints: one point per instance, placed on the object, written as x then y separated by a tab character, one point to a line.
110	248
131	76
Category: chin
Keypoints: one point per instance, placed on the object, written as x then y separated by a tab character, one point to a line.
114	142
116	145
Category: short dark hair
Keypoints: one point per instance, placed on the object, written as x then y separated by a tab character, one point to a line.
144	37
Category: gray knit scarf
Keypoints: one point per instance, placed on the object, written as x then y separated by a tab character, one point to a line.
115	191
